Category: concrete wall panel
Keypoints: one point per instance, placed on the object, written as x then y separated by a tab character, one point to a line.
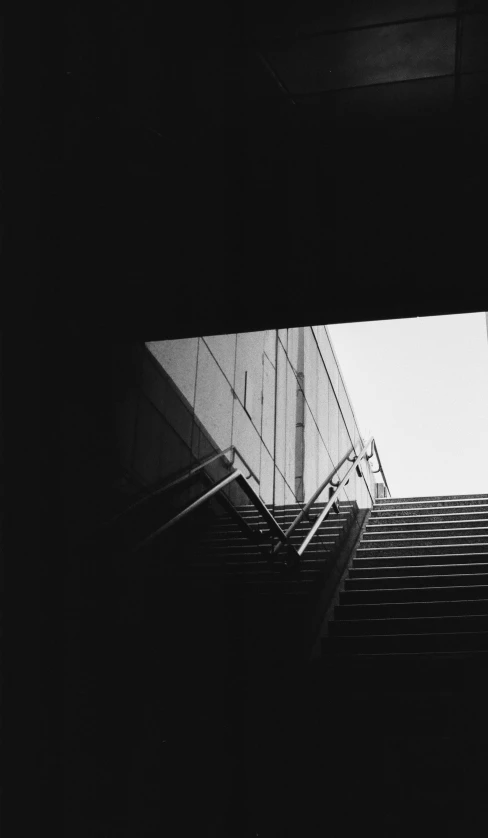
333	430
311	363
223	348
214	400
279	492
178	415
291	413
281	412
311	476
325	464
328	356
250	347
289	495
293	347
268	413
346	409
246	439
322	401
269	343
344	440
266	476
179	359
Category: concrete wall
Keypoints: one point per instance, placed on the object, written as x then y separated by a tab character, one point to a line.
158	426
228	382
242	391
331	429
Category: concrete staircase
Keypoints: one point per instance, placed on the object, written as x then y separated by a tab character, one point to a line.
268	611
405	662
418	581
222	727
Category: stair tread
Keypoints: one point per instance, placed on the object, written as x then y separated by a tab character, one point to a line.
418	580
426	588
481	565
480	632
427	498
413	617
373	549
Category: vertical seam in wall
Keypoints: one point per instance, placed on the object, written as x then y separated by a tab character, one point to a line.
262	412
317	377
285	453
300	414
193	406
233	393
314	417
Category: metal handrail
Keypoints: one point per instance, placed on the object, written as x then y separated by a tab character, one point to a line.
283	537
251	472
236	475
333	498
315	495
374	450
183	478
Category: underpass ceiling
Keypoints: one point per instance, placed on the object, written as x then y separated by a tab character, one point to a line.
283	158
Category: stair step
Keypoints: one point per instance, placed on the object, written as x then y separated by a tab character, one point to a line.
426	534
332	519
316	552
429	499
392	571
434	509
448	642
296	506
250	577
416	580
337	522
276	585
431	560
240	544
427	548
432	608
413	594
256	564
415	518
329	530
408	625
292	514
408	528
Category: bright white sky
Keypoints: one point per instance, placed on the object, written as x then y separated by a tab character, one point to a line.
420	387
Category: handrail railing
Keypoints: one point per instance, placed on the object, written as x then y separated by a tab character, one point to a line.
283	537
315	495
236	475
380	469
183	478
333	498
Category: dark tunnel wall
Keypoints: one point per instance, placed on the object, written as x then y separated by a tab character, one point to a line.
121	429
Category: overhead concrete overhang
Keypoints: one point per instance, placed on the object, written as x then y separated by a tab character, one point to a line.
229	175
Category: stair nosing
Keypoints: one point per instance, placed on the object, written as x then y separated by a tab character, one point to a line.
412	618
